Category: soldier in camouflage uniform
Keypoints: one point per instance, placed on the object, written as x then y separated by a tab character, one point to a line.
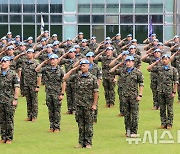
93	44
70	87
56	50
78	39
150	39
79	55
137	58
55	89
84	48
9	88
168	79
176	58
116	41
29	43
96	71
32	81
151	58
42	36
131	78
119	60
108	79
86	98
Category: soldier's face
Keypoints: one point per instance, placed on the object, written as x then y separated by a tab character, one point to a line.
5	64
129	38
10	52
80	36
9	36
55	38
22	48
157	54
108	52
118	37
176	40
166	61
30	41
43	43
155	42
90	59
132	50
30	55
84	44
77	50
46	34
71	55
49	49
93	40
84	68
53	62
129	63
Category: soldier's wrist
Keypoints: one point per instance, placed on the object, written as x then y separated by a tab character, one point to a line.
62	94
140	95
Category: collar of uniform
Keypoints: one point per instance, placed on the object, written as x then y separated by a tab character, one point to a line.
129	70
4	73
84	75
166	67
91	66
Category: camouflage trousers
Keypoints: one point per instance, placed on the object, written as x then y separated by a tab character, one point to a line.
54	108
166	104
7	121
121	104
70	93
109	86
32	102
22	84
131	114
153	86
178	89
84	118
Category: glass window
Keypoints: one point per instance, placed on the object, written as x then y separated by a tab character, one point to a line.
126	19
69	18
3	18
28	18
157	18
141	19
158	29
29	8
56	19
4	8
84	18
112	1
112	8
28	1
28	31
3	30
85	29
56	8
125	30
15	18
15	29
112	19
45	18
112	30
169	32
97	19
156	8
98	8
42	6
126	8
98	1
84	8
141	32
169	6
98	30
83	1
141	8
57	29
169	19
15	8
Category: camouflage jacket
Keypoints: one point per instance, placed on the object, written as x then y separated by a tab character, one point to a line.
166	78
54	79
93	46
59	52
130	81
95	70
29	74
85	86
105	67
8	83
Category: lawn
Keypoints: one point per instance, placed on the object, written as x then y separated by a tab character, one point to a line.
109	132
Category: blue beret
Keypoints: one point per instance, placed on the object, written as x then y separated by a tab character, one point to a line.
131	58
125	53
166	56
5	58
53	56
90	54
85	61
30	50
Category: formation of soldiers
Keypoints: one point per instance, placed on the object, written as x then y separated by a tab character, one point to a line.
71	67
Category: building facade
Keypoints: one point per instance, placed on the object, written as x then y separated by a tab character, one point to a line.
101	18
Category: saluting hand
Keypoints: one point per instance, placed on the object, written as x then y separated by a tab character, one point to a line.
15	102
138	98
94	107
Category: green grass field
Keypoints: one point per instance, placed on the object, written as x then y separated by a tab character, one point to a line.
109	132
